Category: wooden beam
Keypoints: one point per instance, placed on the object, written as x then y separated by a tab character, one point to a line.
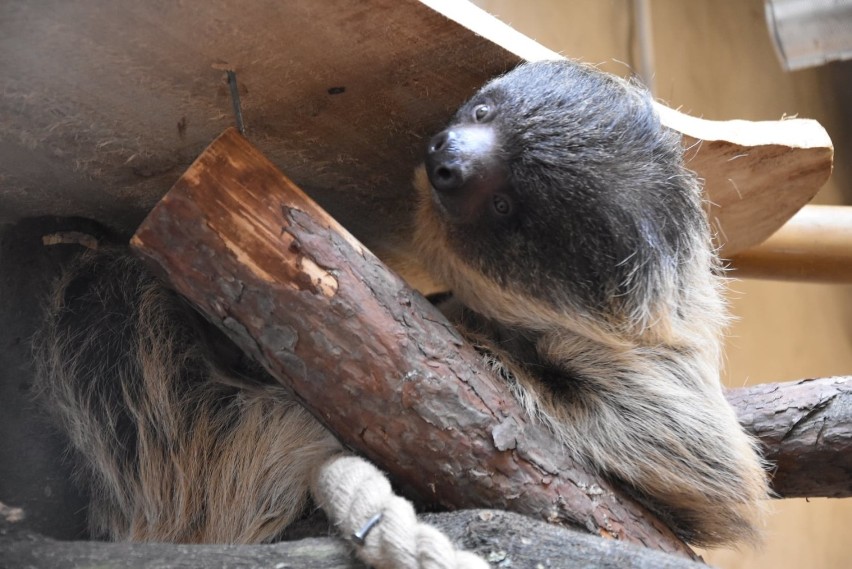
341	95
815	245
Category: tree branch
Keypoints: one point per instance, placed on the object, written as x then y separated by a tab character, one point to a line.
492	534
806	430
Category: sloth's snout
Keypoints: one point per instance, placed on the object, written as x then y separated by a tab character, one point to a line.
446	161
465	169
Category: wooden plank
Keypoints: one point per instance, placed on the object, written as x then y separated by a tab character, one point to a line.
105	103
757	175
815	245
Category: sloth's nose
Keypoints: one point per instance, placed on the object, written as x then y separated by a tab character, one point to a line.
444	161
465	168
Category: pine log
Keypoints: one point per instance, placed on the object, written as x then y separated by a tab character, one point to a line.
806	431
369	357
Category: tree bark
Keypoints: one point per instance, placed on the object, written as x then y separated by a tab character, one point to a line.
503	538
806	431
369	357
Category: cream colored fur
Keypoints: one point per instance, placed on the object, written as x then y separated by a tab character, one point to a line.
650	411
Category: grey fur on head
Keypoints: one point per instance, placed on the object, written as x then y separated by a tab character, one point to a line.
560	213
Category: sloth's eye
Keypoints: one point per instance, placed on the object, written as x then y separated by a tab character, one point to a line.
502	205
481	112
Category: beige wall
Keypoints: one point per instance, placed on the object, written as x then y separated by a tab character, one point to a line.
714	58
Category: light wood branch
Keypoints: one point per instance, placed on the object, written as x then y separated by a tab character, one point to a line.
815	245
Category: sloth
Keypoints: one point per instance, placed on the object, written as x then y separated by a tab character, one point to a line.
560	214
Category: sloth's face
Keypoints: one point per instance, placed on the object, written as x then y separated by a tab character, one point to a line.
558	180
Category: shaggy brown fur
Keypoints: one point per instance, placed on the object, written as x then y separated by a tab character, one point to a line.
175	444
572	238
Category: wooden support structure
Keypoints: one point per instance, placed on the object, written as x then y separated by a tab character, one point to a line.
815	245
757	175
806	431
